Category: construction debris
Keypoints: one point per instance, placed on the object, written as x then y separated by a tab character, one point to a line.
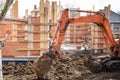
14	71
69	66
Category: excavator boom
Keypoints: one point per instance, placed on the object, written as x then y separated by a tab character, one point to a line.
96	17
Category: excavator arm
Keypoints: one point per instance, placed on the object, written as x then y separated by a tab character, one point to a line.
97	18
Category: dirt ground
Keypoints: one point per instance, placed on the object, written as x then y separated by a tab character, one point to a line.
68	66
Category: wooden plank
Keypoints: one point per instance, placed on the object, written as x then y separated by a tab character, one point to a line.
32	49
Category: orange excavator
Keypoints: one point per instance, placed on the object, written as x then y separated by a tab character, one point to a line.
98	18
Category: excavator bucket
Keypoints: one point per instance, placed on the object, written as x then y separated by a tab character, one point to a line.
42	65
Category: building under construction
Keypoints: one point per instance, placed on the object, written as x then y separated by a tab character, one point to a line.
30	36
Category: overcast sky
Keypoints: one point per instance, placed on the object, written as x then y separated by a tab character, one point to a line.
82	4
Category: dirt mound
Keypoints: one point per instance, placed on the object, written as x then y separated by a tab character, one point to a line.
68	66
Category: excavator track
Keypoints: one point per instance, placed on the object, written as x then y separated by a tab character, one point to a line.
96	65
112	64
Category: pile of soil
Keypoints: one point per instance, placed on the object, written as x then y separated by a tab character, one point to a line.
14	71
68	66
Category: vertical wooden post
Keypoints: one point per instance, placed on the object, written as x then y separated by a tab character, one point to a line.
107	12
41	26
14	10
46	27
54	12
44	6
26	14
49	9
